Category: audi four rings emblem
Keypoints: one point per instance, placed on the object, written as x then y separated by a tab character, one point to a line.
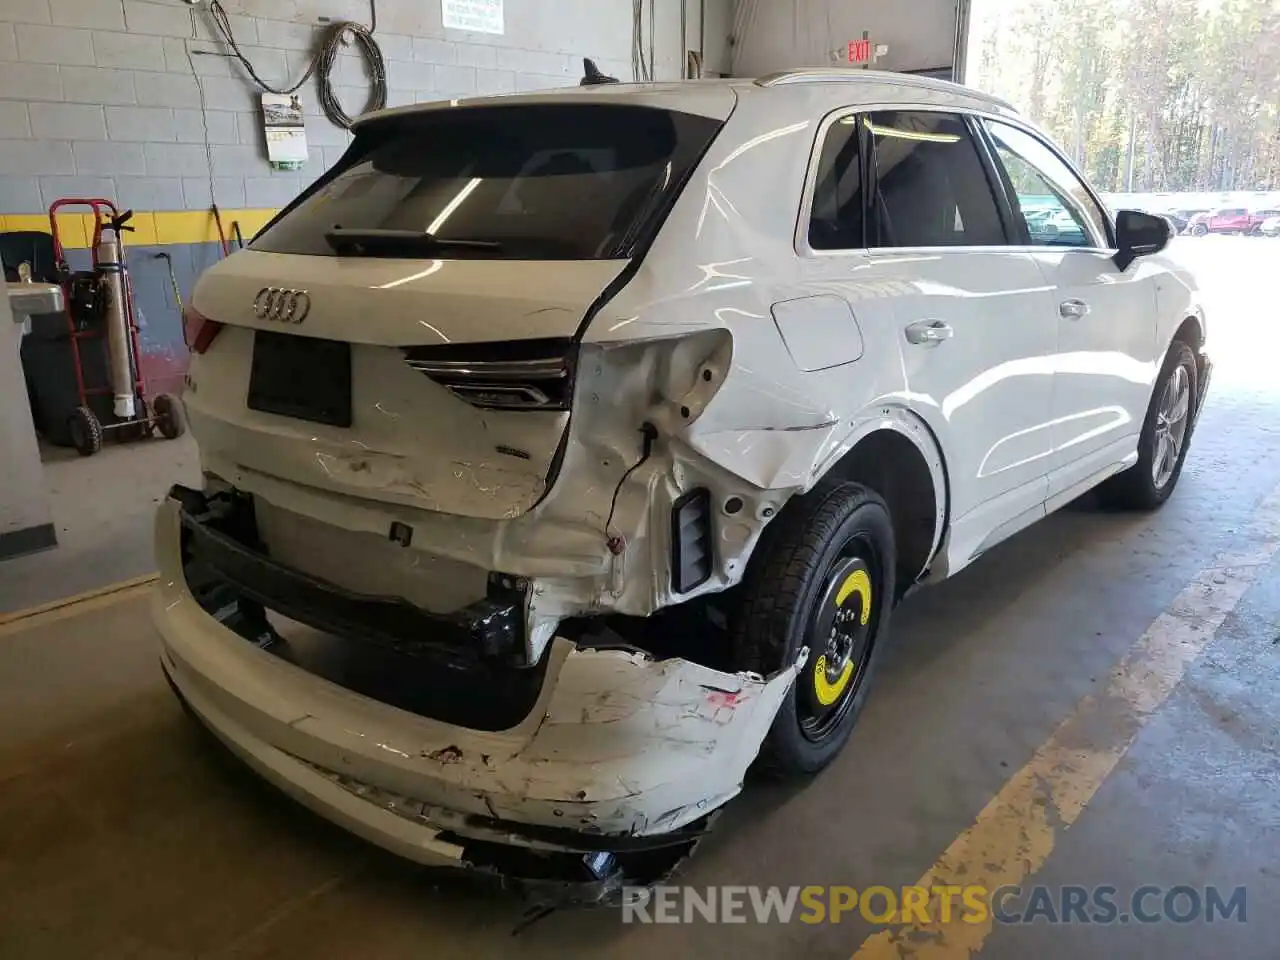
281	305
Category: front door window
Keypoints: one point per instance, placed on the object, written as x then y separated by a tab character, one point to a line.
1054	205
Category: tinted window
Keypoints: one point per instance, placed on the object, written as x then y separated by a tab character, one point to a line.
835	222
932	187
567	182
1055	204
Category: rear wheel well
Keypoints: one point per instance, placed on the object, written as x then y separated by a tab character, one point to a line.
891	465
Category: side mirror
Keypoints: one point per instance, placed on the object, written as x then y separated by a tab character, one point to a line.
1139	235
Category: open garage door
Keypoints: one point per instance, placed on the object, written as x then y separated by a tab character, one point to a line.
926	37
1169	106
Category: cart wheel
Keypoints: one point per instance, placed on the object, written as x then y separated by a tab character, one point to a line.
85	430
171	418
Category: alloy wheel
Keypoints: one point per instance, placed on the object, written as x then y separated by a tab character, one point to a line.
1171	425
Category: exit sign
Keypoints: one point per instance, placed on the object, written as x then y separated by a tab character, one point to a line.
860	51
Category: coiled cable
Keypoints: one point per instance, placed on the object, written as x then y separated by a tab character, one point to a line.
322	64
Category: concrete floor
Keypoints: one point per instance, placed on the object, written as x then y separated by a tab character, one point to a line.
123	833
102	508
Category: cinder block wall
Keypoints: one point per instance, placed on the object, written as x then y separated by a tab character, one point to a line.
135	100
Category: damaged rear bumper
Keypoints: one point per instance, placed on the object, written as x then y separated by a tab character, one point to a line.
620	754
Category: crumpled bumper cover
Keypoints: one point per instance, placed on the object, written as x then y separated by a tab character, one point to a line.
620	753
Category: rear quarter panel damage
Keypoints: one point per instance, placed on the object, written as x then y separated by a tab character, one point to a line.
724	262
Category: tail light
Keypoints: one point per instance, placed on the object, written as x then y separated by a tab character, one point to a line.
198	331
510	375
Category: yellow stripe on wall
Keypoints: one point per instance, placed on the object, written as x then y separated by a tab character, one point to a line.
159	228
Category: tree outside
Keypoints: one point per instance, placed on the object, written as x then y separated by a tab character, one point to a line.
1145	95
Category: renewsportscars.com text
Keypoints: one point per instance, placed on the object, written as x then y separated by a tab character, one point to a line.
927	905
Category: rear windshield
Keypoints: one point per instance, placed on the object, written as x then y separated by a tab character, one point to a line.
545	182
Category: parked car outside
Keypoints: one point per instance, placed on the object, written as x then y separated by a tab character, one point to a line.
1057	226
1187	216
1237	220
1260	217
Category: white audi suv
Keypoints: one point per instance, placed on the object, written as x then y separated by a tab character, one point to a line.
565	454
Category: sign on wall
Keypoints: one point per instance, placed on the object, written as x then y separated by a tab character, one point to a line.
860	51
479	16
286	133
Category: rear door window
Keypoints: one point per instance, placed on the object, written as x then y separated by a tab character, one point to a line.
932	187
544	182
836	218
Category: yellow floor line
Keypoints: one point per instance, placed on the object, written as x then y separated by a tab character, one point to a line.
123	590
1015	833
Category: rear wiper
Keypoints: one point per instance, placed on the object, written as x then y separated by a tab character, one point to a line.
362	241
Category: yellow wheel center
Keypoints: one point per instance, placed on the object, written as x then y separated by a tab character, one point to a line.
826	688
858	583
828	691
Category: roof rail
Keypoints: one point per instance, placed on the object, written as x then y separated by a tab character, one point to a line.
860	75
812	75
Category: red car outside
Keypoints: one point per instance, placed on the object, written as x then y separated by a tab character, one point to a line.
1225	220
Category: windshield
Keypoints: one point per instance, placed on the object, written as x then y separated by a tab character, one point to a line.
545	182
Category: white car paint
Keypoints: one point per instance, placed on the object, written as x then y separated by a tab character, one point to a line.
1013	408
377	305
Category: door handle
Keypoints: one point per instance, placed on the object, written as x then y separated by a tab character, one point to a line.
1073	309
929	331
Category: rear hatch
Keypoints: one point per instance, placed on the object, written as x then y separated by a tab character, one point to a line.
407	330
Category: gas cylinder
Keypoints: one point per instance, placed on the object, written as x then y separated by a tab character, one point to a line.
111	274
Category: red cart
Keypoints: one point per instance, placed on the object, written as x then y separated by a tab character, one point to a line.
100	312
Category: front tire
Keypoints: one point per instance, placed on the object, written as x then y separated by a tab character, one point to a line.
1166	435
1199	230
822	578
